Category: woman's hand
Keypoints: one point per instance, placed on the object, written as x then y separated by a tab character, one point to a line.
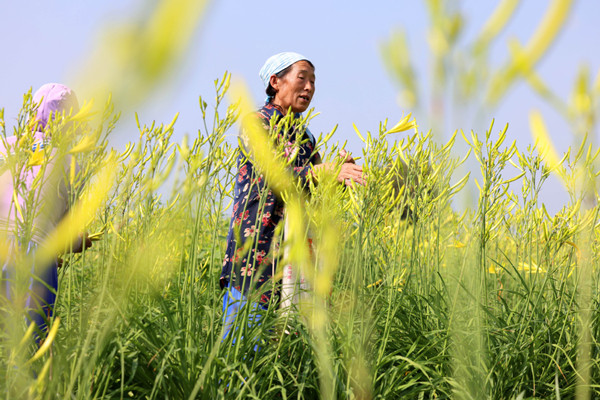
81	243
347	157
350	173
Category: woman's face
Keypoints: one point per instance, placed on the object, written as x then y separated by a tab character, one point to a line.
296	88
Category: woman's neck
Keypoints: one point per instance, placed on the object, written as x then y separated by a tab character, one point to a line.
278	107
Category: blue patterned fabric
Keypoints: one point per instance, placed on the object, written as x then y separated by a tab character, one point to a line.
257	211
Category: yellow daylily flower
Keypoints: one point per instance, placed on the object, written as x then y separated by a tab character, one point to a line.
457	244
375	284
532	268
553	20
497	21
542	138
37	157
87	143
96	236
597	82
47	342
404	125
575	247
85	113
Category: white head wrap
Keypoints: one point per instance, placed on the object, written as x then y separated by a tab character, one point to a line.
278	63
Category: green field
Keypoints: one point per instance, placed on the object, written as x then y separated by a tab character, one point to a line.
412	298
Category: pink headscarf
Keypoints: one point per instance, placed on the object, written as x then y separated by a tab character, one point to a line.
54	98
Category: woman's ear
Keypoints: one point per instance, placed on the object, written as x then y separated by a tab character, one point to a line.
274	82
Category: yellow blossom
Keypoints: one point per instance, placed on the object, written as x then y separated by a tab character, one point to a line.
457	244
404	125
87	143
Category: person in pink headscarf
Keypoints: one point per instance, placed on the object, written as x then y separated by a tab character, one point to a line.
33	201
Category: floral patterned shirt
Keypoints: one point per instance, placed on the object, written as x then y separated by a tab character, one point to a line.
252	248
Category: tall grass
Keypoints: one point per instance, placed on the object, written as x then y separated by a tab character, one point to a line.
412	298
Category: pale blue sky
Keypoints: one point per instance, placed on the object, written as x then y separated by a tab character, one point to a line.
45	41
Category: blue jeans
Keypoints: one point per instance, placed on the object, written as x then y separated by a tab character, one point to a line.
233	302
41	288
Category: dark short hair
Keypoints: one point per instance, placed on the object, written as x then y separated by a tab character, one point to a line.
270	90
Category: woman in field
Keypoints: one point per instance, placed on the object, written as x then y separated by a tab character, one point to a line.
34	197
251	257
